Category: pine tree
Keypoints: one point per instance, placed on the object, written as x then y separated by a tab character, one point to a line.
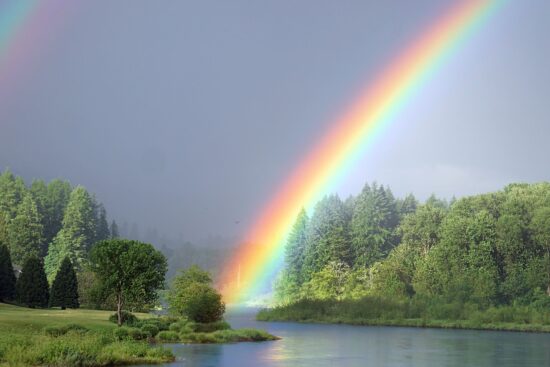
58	194
103	232
373	224
25	231
327	236
114	230
32	286
77	235
7	276
12	190
64	292
295	247
39	193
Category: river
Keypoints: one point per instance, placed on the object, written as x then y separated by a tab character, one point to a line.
350	346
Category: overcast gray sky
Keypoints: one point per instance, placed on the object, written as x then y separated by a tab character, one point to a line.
187	115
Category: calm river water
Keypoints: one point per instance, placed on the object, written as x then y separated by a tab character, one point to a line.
350	346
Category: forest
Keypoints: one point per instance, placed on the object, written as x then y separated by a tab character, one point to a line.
470	254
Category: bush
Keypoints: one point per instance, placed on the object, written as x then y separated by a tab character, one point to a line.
121	333
168	336
136	334
150	329
128	318
210	327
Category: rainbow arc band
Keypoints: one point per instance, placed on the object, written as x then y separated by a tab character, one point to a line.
257	261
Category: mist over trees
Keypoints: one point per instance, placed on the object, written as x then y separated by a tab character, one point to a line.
487	250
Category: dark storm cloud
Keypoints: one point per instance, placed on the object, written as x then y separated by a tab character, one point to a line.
185	116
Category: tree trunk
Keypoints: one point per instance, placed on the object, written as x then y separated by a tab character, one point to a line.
119	310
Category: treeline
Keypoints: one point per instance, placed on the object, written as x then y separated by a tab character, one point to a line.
484	250
50	221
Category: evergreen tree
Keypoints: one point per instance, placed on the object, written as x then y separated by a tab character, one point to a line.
39	193
114	230
103	232
373	225
295	247
406	206
32	285
58	193
7	276
327	236
77	235
12	190
64	292
25	231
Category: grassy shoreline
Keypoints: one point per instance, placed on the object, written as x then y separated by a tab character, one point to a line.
374	312
52	337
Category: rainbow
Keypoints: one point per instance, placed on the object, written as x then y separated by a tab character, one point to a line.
257	261
26	27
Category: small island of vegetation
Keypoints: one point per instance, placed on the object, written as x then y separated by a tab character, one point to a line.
58	253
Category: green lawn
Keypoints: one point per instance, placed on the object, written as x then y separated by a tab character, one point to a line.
24	341
21	320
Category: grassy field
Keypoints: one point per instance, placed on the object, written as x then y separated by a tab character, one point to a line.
24	340
20	320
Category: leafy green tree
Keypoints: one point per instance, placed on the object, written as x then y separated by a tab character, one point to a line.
329	283
541	231
7	276
77	235
130	271
373	225
114	230
193	296
420	230
327	237
64	292
32	289
25	231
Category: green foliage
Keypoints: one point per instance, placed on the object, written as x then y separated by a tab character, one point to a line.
64	291
7	276
25	231
130	271
32	289
128	318
192	295
150	330
373	224
484	251
199	302
168	336
77	234
327	236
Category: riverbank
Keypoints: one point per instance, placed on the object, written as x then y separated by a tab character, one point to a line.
379	312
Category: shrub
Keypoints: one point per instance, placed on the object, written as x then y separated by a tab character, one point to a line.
210	327
121	333
168	336
127	318
136	334
150	329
